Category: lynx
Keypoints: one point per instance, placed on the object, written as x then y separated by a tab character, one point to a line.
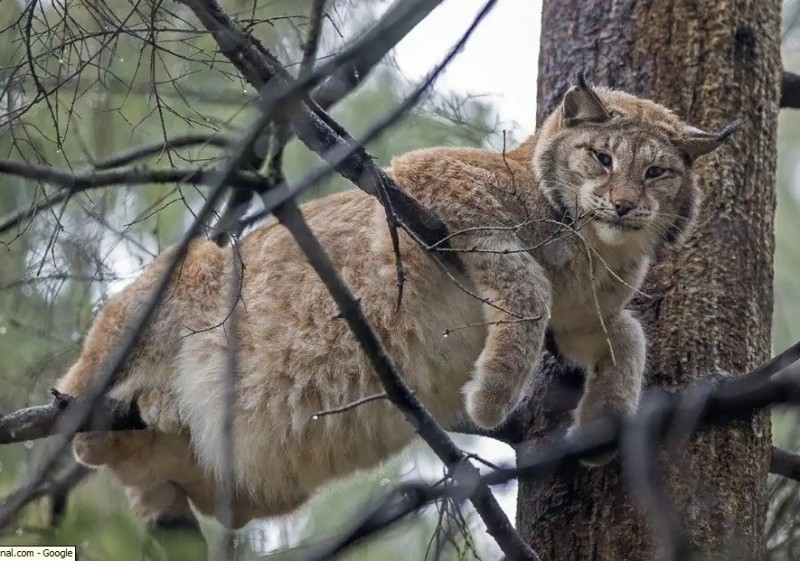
556	234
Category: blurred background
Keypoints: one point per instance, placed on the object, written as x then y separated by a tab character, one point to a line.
56	270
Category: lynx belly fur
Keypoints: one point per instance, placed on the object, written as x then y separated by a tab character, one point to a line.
556	234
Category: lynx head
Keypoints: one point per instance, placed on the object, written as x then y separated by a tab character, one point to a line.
623	164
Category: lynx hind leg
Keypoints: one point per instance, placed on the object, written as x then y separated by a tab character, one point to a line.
163	469
96	449
517	312
162	505
118	448
164	509
137	457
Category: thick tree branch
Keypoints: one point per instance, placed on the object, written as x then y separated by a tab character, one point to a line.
785	463
43	420
790	90
335	88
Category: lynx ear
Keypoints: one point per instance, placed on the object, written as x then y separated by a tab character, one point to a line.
698	143
582	104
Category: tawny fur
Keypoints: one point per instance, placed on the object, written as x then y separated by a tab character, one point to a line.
543	247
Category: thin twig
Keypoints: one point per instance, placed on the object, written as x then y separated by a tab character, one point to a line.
350	406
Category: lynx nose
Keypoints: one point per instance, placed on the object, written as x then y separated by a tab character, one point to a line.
623	207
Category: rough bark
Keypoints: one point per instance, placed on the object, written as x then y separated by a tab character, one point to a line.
710	304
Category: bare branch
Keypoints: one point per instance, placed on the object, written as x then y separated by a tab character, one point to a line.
125	158
16	218
83	181
311	43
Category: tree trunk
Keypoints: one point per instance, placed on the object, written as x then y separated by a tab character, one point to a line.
710	304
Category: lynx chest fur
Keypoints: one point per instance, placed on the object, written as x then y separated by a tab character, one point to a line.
589	281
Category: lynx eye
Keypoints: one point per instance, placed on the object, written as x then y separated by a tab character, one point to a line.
653	172
604	159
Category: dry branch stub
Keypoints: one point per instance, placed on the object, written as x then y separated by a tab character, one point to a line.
41	421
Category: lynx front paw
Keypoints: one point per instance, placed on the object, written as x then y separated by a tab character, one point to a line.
92	448
597	459
591	410
486	409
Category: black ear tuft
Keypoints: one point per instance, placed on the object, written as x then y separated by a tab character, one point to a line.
733	127
695	142
581	104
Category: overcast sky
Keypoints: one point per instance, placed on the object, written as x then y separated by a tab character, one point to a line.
499	60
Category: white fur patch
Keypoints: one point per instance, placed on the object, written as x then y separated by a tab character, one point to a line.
608	234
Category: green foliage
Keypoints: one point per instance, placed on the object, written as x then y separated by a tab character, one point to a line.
97	522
